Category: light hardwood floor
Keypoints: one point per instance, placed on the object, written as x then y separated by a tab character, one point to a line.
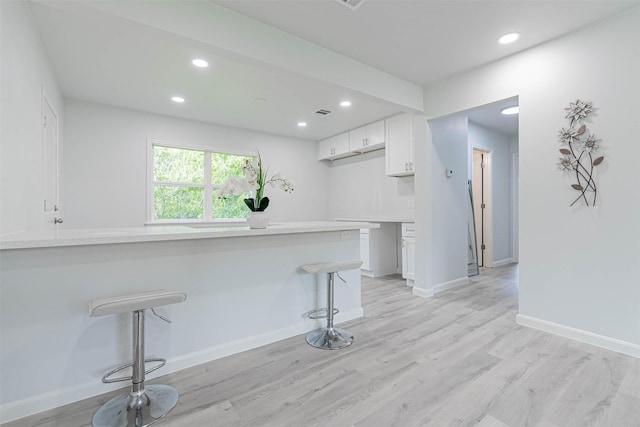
457	359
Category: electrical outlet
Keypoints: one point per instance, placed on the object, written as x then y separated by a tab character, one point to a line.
411	204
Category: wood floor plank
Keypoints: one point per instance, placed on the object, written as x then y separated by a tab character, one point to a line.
457	359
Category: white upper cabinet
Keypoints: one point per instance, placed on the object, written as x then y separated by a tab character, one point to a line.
367	138
400	145
334	147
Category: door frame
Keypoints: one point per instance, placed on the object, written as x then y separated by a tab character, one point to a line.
515	209
49	216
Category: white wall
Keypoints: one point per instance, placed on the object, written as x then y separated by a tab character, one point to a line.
358	187
578	266
500	147
449	204
105	181
25	74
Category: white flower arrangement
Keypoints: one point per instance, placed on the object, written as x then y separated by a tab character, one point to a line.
254	180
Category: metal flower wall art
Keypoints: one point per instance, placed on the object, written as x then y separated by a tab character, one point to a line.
579	152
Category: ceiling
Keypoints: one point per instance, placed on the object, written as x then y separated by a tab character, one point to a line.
274	63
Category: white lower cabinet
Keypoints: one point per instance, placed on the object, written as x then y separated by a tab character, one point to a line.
378	250
408	252
364	249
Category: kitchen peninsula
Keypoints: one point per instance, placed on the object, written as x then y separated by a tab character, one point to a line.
243	290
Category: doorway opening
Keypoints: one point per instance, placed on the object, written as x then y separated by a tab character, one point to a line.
493	170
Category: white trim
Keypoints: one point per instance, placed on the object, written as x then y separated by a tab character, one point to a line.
149	182
441	287
422	293
216	149
487	186
580	335
502	262
48	216
515	212
179	184
43	402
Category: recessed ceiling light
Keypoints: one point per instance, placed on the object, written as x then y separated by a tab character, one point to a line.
302	124
509	38
201	63
178	99
345	104
510	110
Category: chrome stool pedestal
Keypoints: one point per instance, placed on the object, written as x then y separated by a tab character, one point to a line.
143	405
329	337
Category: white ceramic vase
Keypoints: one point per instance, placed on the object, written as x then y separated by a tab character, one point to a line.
258	220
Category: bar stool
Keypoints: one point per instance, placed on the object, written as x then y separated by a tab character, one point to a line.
329	338
142	406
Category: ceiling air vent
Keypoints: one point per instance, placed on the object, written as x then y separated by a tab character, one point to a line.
323	112
351	4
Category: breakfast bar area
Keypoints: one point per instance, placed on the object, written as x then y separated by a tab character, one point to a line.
244	290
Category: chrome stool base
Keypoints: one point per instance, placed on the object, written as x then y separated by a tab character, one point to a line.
143	405
137	409
329	338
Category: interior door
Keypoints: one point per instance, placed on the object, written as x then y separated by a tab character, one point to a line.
50	164
478	202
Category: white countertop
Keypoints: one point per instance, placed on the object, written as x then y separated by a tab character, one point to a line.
377	219
80	237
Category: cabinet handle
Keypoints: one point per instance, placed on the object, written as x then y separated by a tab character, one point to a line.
406	166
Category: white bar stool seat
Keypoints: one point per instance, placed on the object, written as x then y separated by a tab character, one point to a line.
142	406
329	338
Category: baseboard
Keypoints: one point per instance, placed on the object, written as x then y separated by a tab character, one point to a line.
580	335
422	293
44	402
502	262
441	287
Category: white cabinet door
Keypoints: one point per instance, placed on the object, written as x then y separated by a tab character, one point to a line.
409	252
399	145
334	147
408	257
376	134
358	139
367	138
364	251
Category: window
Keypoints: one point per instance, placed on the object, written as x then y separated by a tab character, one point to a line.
183	182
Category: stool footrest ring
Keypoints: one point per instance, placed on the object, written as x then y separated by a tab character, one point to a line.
320	313
105	379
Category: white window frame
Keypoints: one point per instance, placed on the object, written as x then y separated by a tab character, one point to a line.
206	184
